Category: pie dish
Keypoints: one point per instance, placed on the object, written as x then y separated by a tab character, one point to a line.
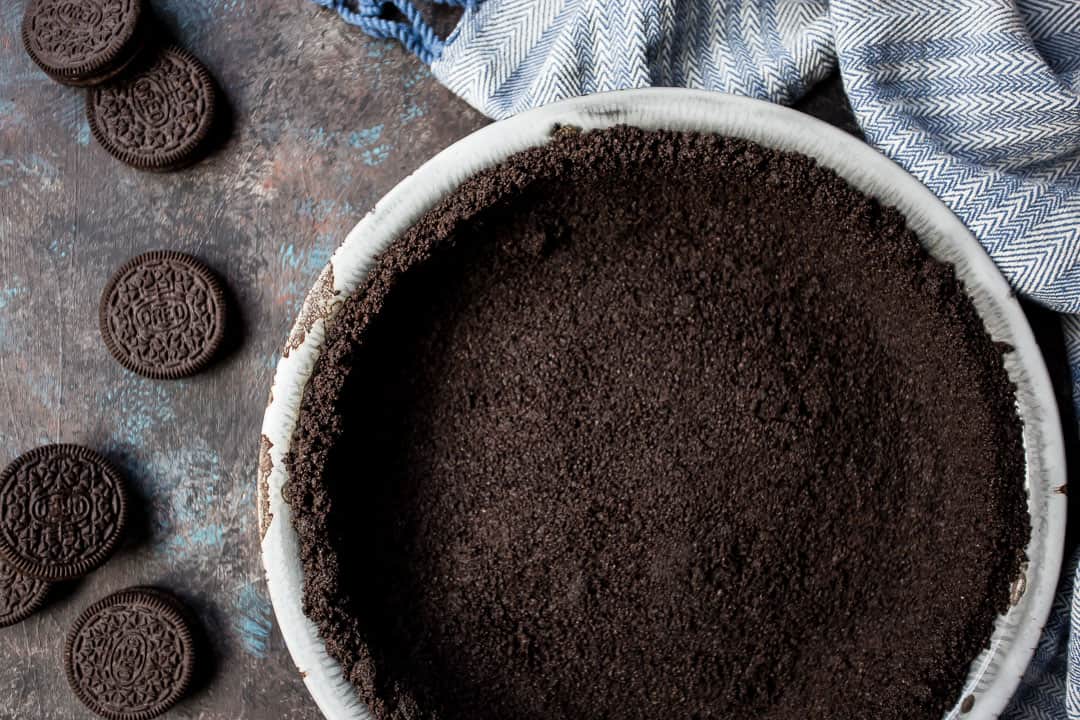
994	675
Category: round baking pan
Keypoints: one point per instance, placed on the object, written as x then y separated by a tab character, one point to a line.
995	674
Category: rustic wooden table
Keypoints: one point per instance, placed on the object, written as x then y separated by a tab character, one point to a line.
324	122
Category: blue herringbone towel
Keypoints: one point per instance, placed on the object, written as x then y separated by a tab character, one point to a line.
979	99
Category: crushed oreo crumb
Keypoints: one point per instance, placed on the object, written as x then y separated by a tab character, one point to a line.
653	424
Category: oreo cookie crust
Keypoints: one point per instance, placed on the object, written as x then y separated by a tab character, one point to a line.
162	315
63	509
131	655
83	42
159	116
20	595
648	425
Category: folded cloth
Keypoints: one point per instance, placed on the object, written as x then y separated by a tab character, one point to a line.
978	99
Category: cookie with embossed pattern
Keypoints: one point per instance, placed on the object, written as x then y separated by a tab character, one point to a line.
83	42
158	116
63	509
163	315
20	595
131	655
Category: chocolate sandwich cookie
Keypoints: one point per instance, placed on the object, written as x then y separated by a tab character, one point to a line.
163	315
20	595
84	42
131	655
158	116
62	512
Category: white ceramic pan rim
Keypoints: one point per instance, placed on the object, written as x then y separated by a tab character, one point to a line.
995	674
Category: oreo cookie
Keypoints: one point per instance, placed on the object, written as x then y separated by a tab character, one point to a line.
162	315
62	512
158	116
131	655
84	42
20	595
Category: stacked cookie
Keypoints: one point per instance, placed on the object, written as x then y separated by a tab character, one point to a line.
149	104
63	509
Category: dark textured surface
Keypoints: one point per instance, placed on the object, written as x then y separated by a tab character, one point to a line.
648	424
324	122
